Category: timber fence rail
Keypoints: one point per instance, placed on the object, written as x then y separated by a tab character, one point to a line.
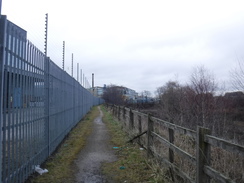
40	104
188	155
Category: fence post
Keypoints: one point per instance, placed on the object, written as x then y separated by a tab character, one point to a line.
149	136
124	117
139	128
124	114
116	111
203	155
113	110
47	103
171	140
119	113
131	121
3	26
171	152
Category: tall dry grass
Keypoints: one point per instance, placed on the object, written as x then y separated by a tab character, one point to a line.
229	164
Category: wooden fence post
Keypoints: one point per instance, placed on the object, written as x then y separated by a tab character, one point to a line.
149	136
113	108
131	121
171	140
171	152
119	113
139	128
124	117
203	155
124	113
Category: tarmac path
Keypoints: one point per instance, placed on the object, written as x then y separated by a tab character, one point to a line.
97	150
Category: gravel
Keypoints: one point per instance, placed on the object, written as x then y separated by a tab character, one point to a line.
97	150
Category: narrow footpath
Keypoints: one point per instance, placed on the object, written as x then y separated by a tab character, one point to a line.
97	150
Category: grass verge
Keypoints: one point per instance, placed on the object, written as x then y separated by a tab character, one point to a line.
132	165
61	164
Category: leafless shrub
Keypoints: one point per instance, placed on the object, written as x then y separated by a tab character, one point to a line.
237	76
229	164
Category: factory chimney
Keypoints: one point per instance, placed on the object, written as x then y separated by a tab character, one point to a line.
93	89
93	81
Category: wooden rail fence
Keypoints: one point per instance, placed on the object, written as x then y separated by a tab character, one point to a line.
161	144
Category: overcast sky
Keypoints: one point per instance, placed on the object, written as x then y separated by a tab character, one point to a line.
135	43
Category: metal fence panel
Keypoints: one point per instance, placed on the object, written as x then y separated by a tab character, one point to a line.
40	104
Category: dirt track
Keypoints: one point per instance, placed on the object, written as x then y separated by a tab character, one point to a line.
97	151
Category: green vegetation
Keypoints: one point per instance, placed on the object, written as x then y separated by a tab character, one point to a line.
132	165
61	165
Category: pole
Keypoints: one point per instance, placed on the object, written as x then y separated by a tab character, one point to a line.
72	67
63	53
78	72
81	77
3	23
0	8
45	42
83	80
92	80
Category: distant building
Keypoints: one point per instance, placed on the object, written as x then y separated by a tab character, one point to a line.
98	91
145	99
127	93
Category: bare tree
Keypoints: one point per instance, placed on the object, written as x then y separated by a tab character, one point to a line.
237	76
113	95
197	104
204	86
170	96
146	93
202	81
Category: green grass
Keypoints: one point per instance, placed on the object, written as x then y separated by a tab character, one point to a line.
132	165
61	168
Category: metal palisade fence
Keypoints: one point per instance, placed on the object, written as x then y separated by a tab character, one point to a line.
40	104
